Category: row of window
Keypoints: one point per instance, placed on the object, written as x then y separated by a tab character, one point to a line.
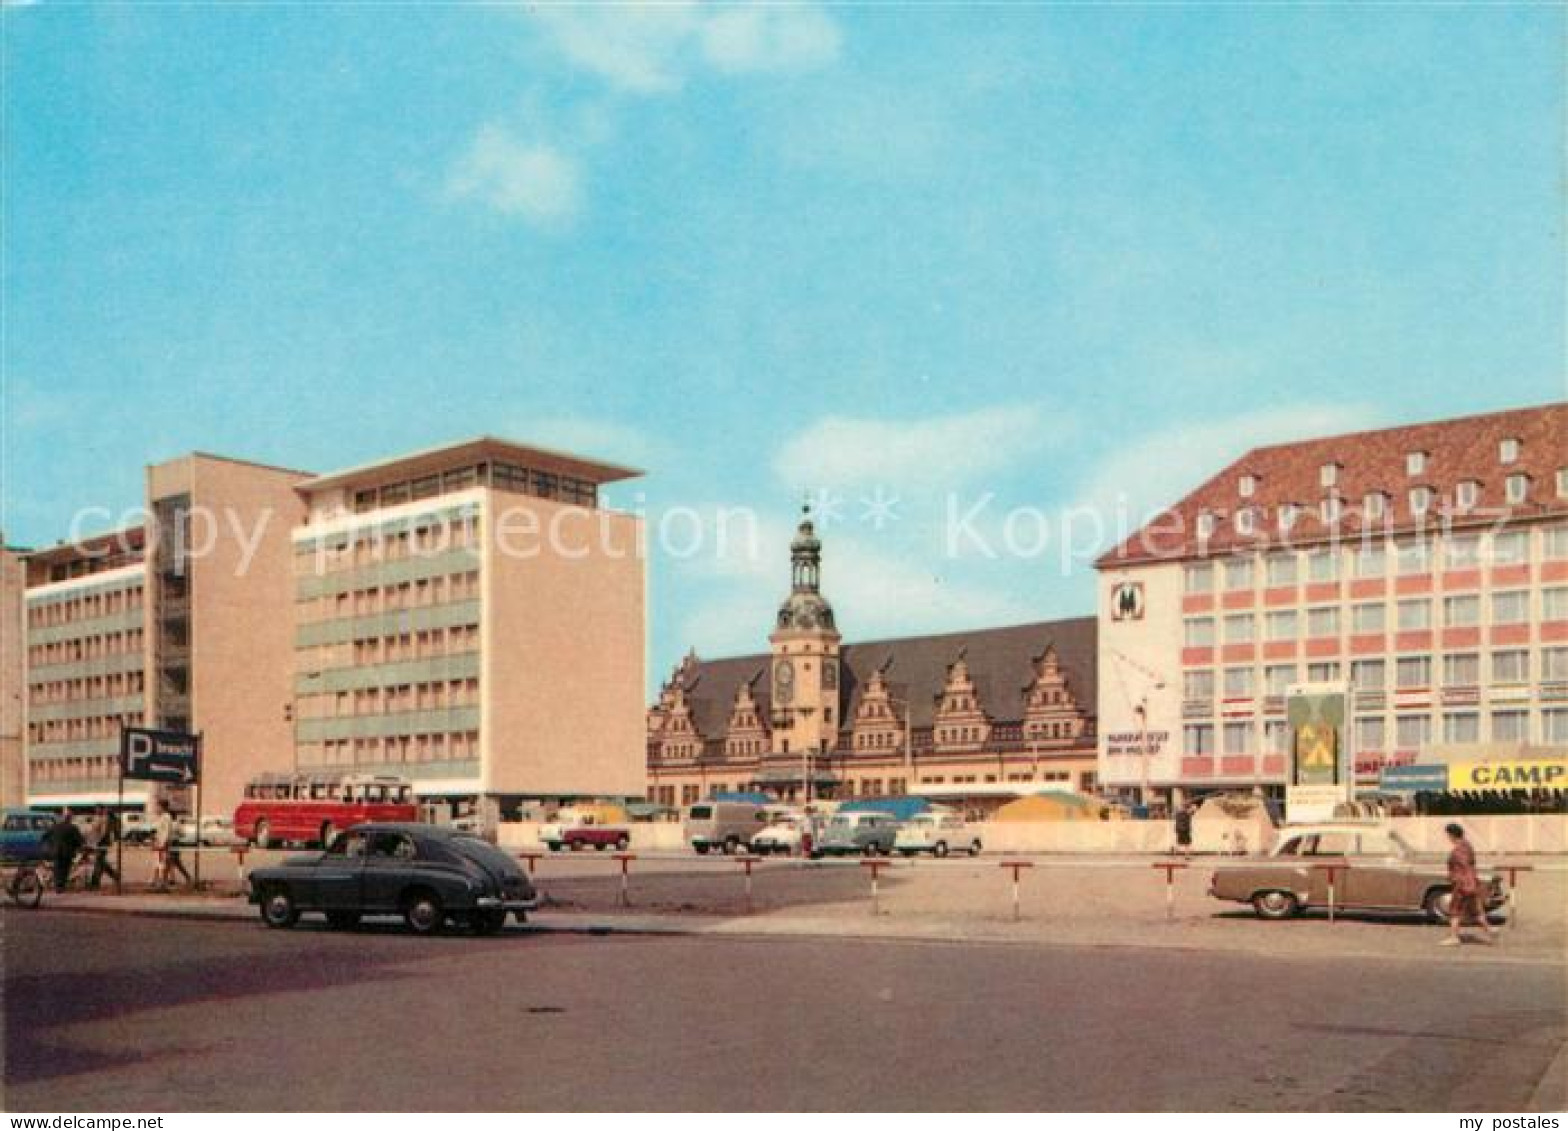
1372	560
438	695
95	727
1505	667
459	746
116	686
1411	614
89	606
1412	732
501	476
98	768
375	600
84	648
377	544
423	645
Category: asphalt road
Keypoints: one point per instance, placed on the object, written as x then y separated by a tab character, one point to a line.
116	1013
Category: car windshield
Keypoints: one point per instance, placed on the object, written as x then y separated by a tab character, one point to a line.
701	812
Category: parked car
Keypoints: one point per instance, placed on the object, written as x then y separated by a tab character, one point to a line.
22	834
1384	874
428	874
215	831
136	827
724	826
938	834
786	835
588	826
864	832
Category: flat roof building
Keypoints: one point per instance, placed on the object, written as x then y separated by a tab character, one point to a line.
467	616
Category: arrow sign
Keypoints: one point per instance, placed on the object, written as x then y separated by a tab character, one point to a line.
168	756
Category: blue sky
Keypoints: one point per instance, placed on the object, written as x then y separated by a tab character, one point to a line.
1049	256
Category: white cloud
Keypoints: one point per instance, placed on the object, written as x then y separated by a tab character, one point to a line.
794	38
653	48
912	455
1152	471
535	181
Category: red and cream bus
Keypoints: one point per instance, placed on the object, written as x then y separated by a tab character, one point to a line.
312	808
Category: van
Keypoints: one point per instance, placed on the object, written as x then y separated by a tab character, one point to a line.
724	826
862	832
937	833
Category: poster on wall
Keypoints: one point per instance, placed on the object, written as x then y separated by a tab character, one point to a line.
1319	770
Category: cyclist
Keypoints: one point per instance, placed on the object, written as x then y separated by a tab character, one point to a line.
63	841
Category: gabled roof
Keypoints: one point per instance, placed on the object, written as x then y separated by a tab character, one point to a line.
1000	661
1463	448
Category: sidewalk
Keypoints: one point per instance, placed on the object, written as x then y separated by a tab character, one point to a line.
1310	938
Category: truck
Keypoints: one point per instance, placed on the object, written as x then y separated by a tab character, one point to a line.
597	826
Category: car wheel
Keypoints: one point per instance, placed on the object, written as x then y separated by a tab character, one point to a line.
555	846
731	846
1438	905
328	831
702	849
262	834
622	843
488	922
1275	904
278	910
974	848
422	912
870	849
940	849
342	920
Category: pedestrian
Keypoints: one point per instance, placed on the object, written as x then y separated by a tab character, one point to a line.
1184	829
168	848
63	840
101	837
1465	903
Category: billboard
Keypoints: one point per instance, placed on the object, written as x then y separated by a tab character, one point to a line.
1319	764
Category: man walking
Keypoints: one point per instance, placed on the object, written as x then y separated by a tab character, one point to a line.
168	848
1465	903
64	841
1184	829
101	838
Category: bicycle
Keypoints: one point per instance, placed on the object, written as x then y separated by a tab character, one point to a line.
26	887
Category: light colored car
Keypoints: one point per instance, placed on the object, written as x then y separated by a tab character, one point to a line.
1381	873
215	831
724	826
784	837
859	833
938	834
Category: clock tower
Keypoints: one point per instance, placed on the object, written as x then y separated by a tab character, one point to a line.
805	644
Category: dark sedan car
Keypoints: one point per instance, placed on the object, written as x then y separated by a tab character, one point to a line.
428	874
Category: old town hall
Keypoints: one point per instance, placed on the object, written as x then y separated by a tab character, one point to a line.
970	715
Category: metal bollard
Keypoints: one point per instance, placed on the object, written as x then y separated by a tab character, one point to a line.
626	859
1333	871
747	862
876	867
1170	868
1016	866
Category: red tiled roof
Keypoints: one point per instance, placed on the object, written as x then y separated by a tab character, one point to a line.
1464	448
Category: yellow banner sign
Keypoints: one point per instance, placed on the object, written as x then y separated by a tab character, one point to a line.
1501	776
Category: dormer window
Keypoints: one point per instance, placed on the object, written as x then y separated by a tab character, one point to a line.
1330	509
1375	504
1415	463
1244	521
1562	482
1328	475
1508	451
1247	485
1467	494
1516	488
1420	500
1205	524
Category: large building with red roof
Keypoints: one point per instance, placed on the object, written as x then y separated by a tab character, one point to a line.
1426	564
